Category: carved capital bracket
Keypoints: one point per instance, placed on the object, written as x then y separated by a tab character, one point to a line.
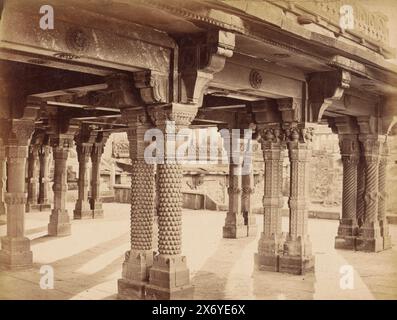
138	123
290	108
152	86
324	89
200	57
181	115
271	136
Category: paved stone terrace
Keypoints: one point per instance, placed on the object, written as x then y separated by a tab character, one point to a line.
88	263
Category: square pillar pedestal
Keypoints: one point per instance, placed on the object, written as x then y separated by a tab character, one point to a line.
347	234
15	253
369	239
297	258
59	225
235	231
269	248
169	279
135	275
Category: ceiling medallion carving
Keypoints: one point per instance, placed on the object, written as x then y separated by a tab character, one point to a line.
255	79
77	40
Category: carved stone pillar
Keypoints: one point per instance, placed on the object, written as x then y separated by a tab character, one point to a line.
360	189
271	241
139	259
384	226
234	223
3	179
83	208
169	276
15	247
248	186
348	226
33	178
297	257
96	156
59	220
370	238
44	156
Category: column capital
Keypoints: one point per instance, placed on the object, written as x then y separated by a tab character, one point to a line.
349	148
372	146
181	115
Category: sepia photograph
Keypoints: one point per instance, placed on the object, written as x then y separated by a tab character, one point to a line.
214	151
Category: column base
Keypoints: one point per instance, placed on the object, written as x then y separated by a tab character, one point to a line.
235	232
131	289
298	265
98	214
15	253
252	230
345	242
32	207
97	210
369	239
297	257
169	279
82	215
59	225
135	274
384	231
45	206
267	258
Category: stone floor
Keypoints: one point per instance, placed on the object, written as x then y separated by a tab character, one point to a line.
88	263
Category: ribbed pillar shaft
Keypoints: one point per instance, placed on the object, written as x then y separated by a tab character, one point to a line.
360	191
348	227
382	200
369	234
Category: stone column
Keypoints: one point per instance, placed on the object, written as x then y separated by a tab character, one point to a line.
15	247
247	182
348	226
139	259
44	156
271	241
382	199
370	238
83	208
59	220
169	276
234	223
3	179
33	178
297	257
360	189
96	157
